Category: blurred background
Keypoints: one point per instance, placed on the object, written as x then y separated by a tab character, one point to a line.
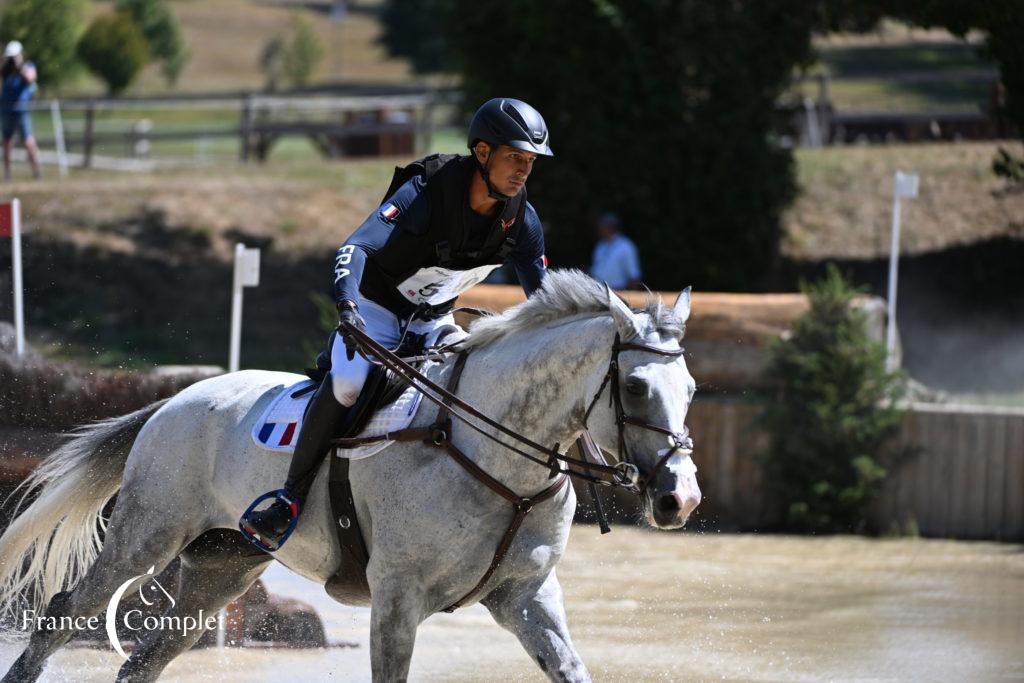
738	158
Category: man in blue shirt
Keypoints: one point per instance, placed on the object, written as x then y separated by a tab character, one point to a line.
439	233
19	84
615	259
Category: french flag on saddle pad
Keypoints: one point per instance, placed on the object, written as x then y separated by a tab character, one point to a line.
389	211
277	434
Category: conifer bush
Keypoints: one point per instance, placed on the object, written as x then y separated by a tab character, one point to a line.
830	414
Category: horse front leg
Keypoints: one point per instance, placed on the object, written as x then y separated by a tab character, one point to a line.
534	613
396	612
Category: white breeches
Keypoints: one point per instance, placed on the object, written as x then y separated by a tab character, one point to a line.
349	376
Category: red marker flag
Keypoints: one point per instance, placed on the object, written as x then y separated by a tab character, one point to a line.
6	219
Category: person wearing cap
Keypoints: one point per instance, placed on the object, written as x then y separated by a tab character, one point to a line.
446	222
19	84
615	259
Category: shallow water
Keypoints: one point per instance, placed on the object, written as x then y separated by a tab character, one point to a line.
647	606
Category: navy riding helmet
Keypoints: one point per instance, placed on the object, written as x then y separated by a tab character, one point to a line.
504	121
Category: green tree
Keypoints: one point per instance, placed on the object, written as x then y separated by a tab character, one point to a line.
303	52
830	413
114	49
413	30
49	30
162	33
664	111
660	111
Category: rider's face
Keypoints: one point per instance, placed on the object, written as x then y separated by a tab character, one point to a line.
509	168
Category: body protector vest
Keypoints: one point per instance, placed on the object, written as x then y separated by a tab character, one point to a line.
424	268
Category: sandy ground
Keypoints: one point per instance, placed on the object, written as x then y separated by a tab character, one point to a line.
648	606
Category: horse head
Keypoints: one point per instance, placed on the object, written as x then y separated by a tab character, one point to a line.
645	424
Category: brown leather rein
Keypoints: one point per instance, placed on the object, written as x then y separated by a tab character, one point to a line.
625	474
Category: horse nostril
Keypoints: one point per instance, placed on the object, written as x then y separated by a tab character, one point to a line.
668	504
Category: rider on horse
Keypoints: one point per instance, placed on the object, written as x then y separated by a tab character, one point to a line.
438	233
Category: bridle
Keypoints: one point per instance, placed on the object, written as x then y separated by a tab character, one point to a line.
678	442
591	467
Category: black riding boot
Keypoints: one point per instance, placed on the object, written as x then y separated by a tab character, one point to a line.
323	418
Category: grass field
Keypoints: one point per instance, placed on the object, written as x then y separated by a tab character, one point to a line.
225	37
843	209
306	202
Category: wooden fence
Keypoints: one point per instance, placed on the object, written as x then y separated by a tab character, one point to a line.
963	479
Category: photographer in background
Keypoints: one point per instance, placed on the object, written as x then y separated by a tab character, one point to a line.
19	84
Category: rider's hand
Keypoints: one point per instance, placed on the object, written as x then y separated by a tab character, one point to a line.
348	312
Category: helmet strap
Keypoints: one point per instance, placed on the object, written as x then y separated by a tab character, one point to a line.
486	175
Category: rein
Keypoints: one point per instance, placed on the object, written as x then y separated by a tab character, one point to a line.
624	474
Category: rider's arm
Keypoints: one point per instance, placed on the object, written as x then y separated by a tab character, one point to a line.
528	256
405	211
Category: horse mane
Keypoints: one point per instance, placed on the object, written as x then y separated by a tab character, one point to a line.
565	293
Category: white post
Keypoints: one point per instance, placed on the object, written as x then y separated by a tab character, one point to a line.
903	185
58	137
19	307
246	274
813	129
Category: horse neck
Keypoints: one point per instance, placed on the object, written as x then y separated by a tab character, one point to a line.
537	383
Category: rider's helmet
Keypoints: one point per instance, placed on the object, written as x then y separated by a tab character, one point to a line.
504	121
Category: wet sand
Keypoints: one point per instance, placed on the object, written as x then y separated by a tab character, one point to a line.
647	606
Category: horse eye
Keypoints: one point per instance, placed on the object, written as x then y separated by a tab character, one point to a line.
635	387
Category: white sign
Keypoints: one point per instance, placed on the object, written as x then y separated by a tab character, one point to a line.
247	267
247	274
905	185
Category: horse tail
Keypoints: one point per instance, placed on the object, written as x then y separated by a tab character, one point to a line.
52	542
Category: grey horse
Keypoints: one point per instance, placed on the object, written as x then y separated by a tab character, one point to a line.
185	468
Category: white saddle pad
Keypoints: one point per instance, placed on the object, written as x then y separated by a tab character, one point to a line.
278	427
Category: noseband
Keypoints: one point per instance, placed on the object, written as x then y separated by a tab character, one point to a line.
628	472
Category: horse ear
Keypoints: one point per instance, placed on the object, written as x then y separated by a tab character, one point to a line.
682	305
624	319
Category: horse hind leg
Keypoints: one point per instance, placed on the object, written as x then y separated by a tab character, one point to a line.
130	548
216	568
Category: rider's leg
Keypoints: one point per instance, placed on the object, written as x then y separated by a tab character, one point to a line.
323	417
324	414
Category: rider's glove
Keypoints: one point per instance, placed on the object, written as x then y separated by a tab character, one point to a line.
348	312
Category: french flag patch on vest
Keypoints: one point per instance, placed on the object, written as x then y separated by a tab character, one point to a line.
388	212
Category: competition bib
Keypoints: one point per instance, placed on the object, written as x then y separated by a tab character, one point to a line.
436	285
